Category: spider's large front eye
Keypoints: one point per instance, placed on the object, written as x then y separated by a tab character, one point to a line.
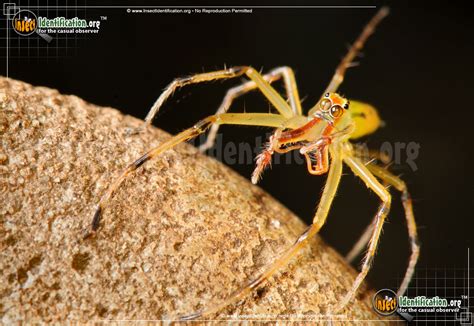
325	105
336	111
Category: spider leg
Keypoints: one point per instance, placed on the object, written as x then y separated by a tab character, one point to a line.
354	50
363	172
368	156
400	185
235	92
264	158
332	183
270	93
252	119
387	177
362	242
291	88
383	158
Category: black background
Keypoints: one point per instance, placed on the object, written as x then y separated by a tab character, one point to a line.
417	70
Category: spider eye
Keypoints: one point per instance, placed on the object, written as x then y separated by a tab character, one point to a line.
325	104
336	111
326	95
346	106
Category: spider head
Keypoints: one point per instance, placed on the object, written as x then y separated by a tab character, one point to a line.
331	107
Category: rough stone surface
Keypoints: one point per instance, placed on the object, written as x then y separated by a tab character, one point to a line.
182	231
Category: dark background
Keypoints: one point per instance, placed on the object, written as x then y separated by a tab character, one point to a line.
417	70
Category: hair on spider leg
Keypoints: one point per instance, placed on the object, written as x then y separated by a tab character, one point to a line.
304	98
387	186
370	161
359	54
353	64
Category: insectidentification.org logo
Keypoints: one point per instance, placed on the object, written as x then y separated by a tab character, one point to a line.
429	304
62	25
385	302
62	22
25	23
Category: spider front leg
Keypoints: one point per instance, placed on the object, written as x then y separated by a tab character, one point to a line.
329	192
270	93
387	177
400	185
362	242
347	61
369	157
362	172
235	92
250	119
264	158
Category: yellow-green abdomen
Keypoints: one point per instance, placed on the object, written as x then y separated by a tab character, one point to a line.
365	117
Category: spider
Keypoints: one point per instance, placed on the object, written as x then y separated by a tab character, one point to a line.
322	137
